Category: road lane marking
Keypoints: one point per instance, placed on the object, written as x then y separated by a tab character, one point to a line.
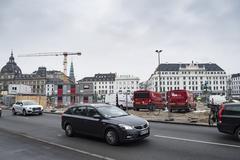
69	148
198	141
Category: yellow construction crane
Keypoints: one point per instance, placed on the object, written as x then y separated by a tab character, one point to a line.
65	54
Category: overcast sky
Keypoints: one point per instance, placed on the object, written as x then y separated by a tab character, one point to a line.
120	35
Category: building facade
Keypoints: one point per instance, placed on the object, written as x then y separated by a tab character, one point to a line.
126	84
103	84
235	85
85	93
12	74
195	77
111	83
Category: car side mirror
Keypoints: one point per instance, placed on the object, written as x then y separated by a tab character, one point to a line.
97	116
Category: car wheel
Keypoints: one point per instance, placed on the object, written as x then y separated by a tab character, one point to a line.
24	113
152	107
69	130
14	112
237	133
40	113
111	137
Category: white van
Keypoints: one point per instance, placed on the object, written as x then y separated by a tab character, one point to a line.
124	101
216	100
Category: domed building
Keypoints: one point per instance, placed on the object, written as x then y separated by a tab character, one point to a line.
11	75
11	67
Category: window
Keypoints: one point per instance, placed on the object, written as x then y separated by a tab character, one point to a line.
81	111
91	112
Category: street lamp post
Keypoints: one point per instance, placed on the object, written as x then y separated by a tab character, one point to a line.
159	73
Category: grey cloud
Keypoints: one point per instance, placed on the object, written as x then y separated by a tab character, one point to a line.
121	35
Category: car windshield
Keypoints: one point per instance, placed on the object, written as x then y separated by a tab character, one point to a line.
29	103
111	111
141	95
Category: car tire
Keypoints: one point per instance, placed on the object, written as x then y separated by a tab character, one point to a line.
111	137
40	113
237	133
24	112
152	107
69	130
14	112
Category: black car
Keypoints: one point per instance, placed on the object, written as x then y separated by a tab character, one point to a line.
229	119
104	121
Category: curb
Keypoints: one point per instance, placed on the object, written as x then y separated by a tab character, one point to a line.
181	123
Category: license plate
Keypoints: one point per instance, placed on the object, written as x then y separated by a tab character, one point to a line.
144	132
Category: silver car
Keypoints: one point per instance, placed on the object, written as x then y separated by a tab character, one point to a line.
26	107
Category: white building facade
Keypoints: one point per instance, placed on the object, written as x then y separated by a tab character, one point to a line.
126	84
102	84
50	89
112	83
235	85
194	77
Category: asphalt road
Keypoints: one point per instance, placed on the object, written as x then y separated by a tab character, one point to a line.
167	141
13	146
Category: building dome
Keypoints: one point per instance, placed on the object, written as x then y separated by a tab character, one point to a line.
11	67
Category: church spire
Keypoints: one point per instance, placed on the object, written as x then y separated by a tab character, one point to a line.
71	74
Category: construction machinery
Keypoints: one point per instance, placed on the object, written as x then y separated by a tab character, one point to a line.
65	54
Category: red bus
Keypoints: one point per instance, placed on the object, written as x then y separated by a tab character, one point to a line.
144	99
180	100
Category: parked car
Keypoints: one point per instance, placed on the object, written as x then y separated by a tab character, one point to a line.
180	100
0	112
144	99
229	119
104	121
26	107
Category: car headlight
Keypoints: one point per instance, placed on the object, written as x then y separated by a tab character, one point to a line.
124	126
147	123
